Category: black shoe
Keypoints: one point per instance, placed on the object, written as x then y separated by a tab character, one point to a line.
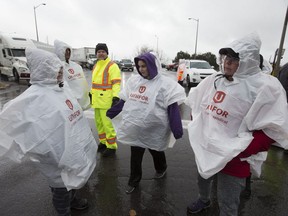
79	204
129	189
197	206
109	152
101	147
159	175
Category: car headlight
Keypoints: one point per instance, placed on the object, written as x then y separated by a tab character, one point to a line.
23	70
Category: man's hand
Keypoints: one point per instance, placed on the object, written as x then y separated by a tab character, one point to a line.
115	100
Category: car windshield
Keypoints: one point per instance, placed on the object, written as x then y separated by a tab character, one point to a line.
200	65
126	61
18	52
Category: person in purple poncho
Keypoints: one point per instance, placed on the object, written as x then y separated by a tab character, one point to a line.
150	115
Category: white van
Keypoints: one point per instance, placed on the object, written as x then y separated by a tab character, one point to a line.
196	71
13	61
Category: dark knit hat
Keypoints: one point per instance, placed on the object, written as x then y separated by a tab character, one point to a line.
101	46
229	52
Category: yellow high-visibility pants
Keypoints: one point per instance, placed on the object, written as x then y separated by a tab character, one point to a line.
106	131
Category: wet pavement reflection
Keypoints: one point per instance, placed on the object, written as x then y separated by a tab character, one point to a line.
24	191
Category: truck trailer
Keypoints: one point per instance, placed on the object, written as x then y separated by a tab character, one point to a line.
84	56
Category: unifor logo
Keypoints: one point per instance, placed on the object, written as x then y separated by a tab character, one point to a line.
71	71
219	97
69	104
142	89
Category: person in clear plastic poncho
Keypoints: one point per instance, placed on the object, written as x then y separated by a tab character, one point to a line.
237	114
181	71
150	112
73	74
46	125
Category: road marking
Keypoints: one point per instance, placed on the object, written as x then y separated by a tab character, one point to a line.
90	115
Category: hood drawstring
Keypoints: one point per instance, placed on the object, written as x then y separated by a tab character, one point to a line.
219	76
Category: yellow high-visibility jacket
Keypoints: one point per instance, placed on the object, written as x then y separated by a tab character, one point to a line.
106	83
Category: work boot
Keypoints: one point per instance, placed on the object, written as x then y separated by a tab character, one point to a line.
101	147
109	152
79	204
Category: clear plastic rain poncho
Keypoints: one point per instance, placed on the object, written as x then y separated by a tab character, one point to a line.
74	75
145	120
46	125
181	70
226	113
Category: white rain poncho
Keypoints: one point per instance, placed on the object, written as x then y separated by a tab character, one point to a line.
224	119
46	125
74	75
145	120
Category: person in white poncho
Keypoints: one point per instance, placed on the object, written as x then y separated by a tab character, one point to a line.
150	114
46	125
237	114
73	74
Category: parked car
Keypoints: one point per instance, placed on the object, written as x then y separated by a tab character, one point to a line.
196	71
172	67
126	64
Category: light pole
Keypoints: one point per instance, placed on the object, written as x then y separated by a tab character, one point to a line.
197	20
157	43
36	19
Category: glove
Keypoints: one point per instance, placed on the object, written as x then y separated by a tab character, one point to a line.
115	100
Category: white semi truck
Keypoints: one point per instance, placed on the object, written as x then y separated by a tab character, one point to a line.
84	56
13	61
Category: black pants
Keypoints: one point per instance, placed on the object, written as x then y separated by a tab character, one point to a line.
61	200
136	163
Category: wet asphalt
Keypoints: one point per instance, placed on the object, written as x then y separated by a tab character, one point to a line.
25	192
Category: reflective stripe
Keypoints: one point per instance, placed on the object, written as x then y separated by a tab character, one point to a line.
111	141
99	86
116	81
102	136
106	74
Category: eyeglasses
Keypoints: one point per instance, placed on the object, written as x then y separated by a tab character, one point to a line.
230	59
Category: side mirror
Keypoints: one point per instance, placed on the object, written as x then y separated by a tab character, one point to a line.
212	67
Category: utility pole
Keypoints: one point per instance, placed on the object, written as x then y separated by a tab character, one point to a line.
279	53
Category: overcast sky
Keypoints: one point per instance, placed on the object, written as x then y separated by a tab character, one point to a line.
127	25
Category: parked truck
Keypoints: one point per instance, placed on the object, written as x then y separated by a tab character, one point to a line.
84	56
44	46
13	61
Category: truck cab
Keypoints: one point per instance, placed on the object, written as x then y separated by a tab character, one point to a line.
13	61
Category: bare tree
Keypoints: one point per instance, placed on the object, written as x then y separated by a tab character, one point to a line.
145	48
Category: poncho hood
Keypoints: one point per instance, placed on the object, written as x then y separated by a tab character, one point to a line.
44	66
60	49
248	49
150	61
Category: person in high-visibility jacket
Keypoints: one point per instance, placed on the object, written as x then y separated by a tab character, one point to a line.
106	83
180	71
